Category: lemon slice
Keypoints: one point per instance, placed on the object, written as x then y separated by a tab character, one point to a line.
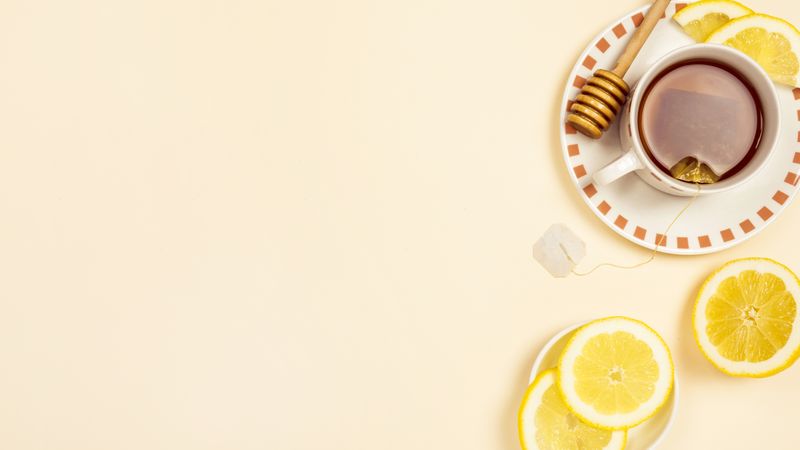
545	423
745	318
615	373
700	19
773	43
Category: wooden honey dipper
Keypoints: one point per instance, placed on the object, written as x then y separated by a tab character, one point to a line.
603	95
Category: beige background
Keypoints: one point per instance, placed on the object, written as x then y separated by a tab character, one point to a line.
307	225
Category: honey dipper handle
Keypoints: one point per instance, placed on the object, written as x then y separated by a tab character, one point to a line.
642	33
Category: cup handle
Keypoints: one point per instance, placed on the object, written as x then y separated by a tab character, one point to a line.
624	164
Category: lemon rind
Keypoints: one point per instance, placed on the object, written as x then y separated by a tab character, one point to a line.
626	426
767	373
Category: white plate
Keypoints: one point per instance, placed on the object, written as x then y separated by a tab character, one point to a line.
643	437
639	212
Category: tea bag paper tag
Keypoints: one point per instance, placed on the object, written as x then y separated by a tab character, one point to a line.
559	250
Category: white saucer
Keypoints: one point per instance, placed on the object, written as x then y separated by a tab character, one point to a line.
639	212
643	437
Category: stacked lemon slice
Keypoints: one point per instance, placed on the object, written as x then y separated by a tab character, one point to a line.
613	374
545	421
701	19
772	42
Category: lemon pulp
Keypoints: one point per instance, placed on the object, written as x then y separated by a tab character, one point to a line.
559	429
750	316
771	50
615	373
700	29
771	42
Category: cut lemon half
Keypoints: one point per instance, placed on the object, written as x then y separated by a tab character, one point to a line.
545	423
615	373
701	19
745	318
773	43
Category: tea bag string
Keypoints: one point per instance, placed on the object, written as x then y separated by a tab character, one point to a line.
653	253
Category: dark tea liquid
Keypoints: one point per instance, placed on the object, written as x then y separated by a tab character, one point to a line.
704	110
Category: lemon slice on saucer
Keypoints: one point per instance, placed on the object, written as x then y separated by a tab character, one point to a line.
545	423
615	373
772	42
745	318
700	19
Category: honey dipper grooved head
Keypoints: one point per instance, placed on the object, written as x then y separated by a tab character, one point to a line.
599	102
614	78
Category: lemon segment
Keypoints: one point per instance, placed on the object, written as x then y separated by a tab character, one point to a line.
772	42
615	373
545	423
702	18
746	320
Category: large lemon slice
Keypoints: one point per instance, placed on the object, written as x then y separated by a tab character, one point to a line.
545	423
700	19
773	43
615	373
745	318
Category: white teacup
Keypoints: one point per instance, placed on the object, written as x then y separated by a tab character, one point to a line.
636	158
